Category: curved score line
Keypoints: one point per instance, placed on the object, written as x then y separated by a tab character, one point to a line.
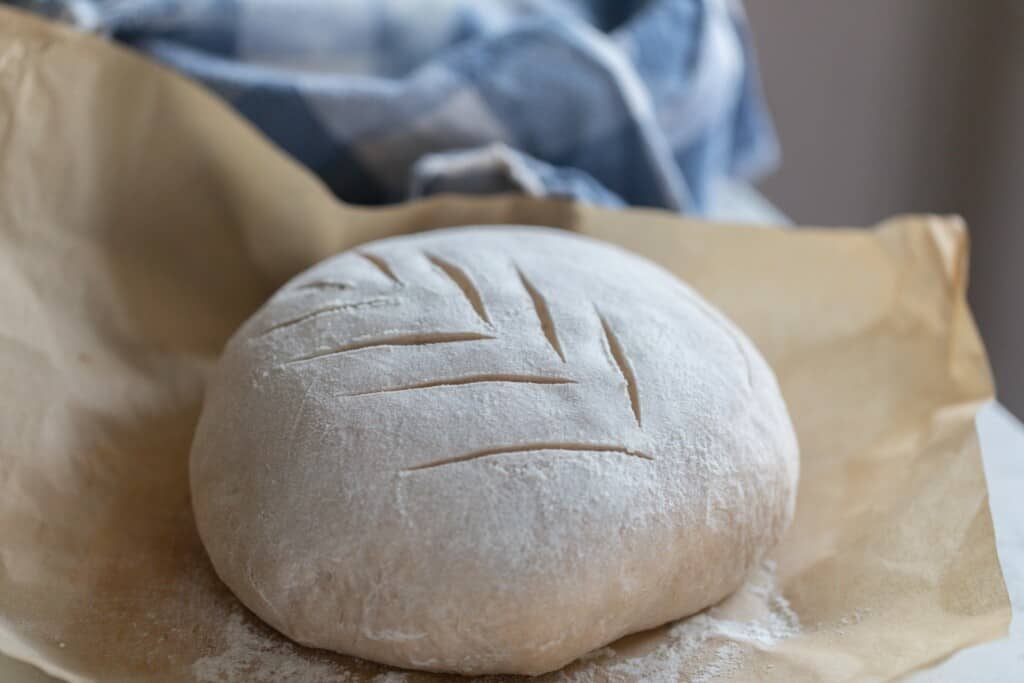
529	448
540	307
398	340
624	367
471	379
464	283
324	284
381	265
326	310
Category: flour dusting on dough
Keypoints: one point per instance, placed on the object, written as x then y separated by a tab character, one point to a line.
521	462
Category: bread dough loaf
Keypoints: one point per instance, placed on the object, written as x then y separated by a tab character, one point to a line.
488	450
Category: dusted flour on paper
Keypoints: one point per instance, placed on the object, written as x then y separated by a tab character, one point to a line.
254	656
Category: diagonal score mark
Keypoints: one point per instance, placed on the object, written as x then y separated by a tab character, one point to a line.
397	340
530	448
622	362
540	306
327	310
324	284
381	265
464	283
470	379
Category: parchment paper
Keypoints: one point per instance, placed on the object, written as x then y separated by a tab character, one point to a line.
141	222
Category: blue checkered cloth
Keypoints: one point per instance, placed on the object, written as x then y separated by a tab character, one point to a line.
637	102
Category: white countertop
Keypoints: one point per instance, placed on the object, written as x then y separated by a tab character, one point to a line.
1002	448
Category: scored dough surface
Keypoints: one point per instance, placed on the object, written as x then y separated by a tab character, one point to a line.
488	450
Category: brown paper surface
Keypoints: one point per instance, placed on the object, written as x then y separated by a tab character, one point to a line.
141	222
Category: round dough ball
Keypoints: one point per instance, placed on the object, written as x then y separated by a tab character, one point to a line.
488	450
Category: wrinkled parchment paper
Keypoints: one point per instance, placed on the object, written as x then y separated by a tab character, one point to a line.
141	222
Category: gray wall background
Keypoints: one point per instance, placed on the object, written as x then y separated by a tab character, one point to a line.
892	106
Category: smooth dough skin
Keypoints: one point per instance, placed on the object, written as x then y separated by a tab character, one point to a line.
488	450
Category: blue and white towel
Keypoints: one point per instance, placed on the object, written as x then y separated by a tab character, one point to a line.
638	102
